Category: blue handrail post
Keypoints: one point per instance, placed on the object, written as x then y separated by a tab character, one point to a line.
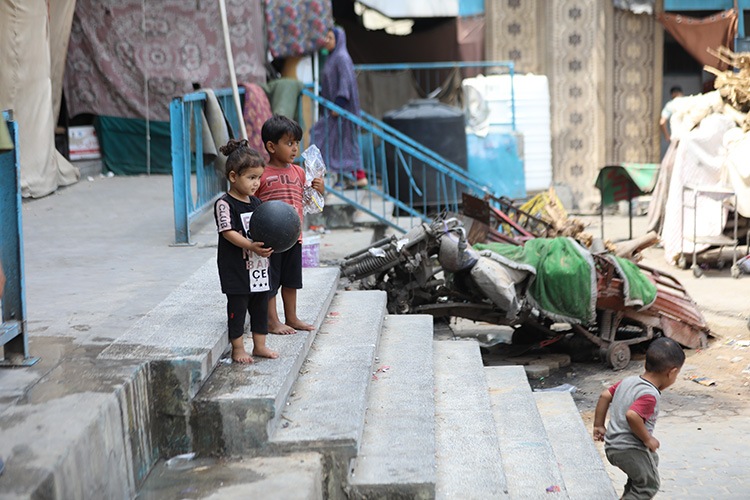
180	175
13	333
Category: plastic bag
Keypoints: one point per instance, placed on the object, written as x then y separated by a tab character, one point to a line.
312	200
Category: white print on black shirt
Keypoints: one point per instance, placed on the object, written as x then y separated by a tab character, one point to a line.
257	266
224	216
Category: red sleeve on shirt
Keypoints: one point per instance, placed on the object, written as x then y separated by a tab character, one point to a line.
614	388
644	406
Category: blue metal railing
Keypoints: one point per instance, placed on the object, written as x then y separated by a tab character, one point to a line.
195	185
13	334
390	160
402	173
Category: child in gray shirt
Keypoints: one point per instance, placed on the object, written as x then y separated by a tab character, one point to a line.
633	404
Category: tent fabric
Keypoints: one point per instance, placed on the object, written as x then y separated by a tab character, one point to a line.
297	27
61	18
658	201
6	142
470	39
110	56
736	168
283	95
384	91
564	284
123	145
695	35
26	88
256	111
221	131
564	287
626	181
698	163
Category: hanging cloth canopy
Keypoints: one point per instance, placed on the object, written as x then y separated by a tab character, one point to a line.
696	35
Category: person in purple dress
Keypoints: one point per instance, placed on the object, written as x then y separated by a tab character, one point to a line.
338	139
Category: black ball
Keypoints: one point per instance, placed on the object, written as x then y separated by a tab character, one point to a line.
276	224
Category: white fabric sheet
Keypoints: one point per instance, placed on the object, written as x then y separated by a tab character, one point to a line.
698	162
737	167
26	88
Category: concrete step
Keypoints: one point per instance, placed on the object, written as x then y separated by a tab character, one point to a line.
468	460
326	409
82	431
239	404
299	476
580	463
337	213
397	454
340	213
528	460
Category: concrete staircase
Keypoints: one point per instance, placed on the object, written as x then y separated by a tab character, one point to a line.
366	406
378	410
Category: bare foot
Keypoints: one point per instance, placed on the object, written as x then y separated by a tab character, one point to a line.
279	328
300	325
241	356
265	352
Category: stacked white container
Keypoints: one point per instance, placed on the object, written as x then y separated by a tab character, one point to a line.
532	119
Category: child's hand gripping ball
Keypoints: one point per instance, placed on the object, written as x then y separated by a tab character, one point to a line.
276	224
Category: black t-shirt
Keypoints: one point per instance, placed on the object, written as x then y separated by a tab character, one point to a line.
229	213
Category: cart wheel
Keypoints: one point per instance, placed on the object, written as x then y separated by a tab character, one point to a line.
736	271
618	355
697	271
682	262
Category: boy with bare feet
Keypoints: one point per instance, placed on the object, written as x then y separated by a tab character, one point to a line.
282	180
237	254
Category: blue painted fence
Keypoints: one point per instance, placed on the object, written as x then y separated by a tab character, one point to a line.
196	186
390	160
13	334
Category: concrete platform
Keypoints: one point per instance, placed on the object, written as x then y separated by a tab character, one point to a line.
295	477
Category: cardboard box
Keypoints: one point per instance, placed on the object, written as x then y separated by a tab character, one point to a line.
83	144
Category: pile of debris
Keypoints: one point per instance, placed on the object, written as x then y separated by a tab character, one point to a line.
543	216
734	87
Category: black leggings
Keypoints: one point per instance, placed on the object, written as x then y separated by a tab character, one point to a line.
254	303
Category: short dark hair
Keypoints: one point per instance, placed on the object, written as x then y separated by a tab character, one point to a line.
674	89
277	127
240	156
664	354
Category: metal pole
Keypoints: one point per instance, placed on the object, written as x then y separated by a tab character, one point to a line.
230	63
316	89
145	93
630	209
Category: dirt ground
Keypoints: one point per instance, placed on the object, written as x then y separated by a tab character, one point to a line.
725	362
690	412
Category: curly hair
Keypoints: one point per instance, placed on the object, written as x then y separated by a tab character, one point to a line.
240	156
